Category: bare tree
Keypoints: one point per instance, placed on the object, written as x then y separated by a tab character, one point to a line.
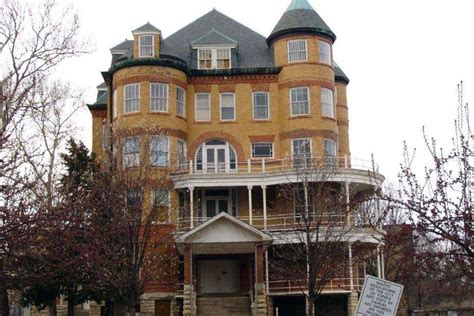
317	243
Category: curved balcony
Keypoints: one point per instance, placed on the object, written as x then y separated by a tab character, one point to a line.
258	172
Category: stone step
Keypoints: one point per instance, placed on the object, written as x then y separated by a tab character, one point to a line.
224	305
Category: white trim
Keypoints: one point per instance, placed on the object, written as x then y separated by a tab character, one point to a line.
209	103
273	150
207	46
213	50
220	107
167	96
140	35
125	99
309	101
268	105
288	50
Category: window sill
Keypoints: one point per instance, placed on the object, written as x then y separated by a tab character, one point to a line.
294	117
132	114
227	122
181	117
262	121
202	122
159	113
328	118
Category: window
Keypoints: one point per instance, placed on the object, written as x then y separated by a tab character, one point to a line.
159	151
131	98
297	51
227	106
330	152
214	58
180	102
131	152
134	197
181	154
325	53
145	46
262	150
158	97
301	150
114	105
327	102
203	107
160	199
261	108
299	99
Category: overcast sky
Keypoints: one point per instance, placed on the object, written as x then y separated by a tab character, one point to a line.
404	58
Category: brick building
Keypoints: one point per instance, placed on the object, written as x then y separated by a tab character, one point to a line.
231	114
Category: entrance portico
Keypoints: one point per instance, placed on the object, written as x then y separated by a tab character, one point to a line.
224	256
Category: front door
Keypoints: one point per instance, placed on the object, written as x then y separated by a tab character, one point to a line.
218	276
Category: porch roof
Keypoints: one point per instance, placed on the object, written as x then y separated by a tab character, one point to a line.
223	234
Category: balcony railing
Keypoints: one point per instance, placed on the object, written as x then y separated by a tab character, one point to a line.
277	222
292	286
299	164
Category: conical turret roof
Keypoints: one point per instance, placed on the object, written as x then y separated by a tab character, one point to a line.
300	17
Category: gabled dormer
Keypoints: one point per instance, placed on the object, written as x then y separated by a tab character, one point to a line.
215	50
147	40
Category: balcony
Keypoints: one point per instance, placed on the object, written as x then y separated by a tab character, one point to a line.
275	171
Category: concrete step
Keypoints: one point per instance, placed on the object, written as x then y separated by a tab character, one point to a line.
238	305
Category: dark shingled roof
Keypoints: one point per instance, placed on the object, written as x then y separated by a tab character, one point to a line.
213	37
146	28
253	49
296	20
339	74
126	45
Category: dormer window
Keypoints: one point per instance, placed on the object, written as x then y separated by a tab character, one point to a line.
214	58
145	45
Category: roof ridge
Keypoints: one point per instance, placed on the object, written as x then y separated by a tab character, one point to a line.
214	31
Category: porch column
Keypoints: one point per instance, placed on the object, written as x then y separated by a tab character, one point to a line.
191	206
250	204
379	269
261	297
382	261
378	221
348	201
351	272
264	189
188	293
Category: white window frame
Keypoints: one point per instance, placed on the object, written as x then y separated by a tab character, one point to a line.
214	57
159	98
268	105
179	103
134	161
296	53
114	105
209	106
327	140
125	99
257	143
168	207
181	161
221	106
166	164
326	106
291	101
140	45
325	57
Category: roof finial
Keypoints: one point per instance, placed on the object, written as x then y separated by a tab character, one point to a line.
299	4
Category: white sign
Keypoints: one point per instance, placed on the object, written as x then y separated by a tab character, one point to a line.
379	297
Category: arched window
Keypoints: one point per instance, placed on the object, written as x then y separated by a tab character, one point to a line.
216	156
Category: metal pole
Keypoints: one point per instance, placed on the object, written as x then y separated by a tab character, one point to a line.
250	205
267	282
264	188
351	272
191	206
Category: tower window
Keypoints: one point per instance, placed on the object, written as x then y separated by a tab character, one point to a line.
145	46
203	107
181	154
131	152
227	107
261	107
299	99
297	51
160	199
158	97
180	102
325	53
214	58
327	102
131	98
114	105
159	151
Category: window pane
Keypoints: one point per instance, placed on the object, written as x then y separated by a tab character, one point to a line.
114	106
131	152
159	97
227	106
146	45
329	148
261	108
180	102
297	51
260	150
327	102
203	107
299	101
181	154
205	59
159	151
325	53
131	98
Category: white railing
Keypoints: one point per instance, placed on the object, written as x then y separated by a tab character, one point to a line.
252	166
336	284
